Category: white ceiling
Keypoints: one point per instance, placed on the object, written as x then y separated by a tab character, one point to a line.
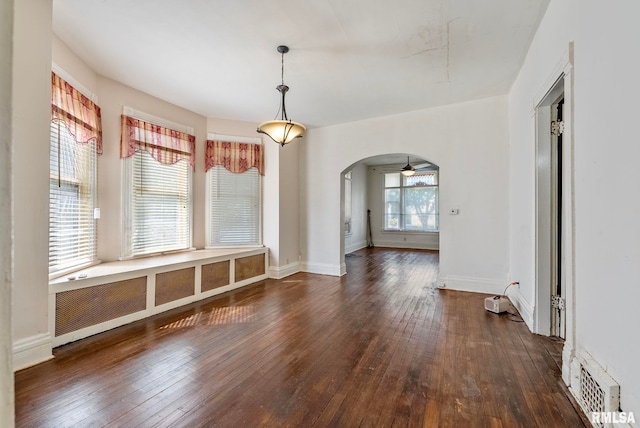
349	59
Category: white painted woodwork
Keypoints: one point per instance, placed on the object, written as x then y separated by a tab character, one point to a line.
6	241
31	116
148	267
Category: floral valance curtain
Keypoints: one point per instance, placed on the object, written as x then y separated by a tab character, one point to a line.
165	145
235	157
78	113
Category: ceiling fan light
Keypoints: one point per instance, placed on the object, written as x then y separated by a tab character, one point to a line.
282	131
408	170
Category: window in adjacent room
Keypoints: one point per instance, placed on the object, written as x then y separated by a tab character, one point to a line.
75	142
347	203
158	166
411	203
234	208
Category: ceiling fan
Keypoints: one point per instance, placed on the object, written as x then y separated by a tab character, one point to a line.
409	169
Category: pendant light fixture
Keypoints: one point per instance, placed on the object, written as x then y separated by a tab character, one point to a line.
282	130
408	170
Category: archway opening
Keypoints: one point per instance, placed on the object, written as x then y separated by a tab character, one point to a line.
382	207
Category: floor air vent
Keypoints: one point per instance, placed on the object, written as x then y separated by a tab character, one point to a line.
595	390
591	394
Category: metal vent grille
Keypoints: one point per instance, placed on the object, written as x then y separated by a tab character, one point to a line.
215	275
174	285
592	396
85	307
594	388
249	267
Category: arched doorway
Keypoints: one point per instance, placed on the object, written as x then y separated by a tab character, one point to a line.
381	206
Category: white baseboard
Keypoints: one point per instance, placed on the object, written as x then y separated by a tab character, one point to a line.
408	245
567	357
476	285
324	269
355	247
521	304
32	350
279	272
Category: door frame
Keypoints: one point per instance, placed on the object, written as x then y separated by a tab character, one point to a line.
560	81
557	222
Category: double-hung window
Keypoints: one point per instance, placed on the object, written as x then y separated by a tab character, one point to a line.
158	166
75	142
411	202
234	209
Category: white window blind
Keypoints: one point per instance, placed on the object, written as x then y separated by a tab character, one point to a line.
157	206
234	207
72	184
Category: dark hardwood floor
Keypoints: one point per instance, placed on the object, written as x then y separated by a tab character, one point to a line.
379	347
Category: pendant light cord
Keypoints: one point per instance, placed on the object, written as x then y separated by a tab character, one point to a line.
282	68
283	88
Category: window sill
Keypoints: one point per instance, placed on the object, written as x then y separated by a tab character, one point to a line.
160	253
72	270
126	269
409	232
231	247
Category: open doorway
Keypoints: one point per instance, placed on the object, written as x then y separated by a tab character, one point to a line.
558	312
390	201
550	269
555	286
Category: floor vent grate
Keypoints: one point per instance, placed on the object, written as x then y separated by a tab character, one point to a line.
595	389
591	394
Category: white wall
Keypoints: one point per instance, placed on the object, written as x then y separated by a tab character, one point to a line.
606	92
288	212
31	118
469	143
358	237
420	240
6	241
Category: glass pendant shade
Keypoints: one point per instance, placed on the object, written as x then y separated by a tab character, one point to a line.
282	131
